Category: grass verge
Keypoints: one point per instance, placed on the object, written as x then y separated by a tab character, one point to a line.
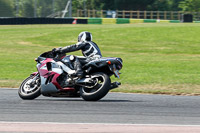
158	58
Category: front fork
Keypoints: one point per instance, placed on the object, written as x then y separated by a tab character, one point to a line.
33	82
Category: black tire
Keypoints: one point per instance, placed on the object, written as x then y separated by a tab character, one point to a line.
31	92
99	91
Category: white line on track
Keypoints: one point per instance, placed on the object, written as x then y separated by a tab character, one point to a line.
54	127
128	124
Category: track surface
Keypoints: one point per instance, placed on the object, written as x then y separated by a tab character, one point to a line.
114	108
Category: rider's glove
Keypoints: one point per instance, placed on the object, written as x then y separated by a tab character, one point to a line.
56	50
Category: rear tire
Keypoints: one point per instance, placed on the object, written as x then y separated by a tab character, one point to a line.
99	91
27	92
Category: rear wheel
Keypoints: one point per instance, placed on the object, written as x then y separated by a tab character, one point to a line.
100	89
29	90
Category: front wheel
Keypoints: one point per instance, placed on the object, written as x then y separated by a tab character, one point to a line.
29	90
101	88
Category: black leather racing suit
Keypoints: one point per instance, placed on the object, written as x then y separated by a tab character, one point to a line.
89	49
90	52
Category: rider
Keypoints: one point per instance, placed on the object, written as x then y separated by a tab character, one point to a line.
90	51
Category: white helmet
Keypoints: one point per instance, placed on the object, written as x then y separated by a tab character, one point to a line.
84	36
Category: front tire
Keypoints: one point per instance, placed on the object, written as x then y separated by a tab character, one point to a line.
99	90
28	92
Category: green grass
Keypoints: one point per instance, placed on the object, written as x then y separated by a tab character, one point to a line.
158	58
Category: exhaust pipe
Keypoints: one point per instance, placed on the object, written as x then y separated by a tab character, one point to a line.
114	85
86	82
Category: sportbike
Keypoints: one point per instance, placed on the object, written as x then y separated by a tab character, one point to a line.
55	78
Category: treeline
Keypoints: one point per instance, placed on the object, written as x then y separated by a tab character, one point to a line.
43	8
28	8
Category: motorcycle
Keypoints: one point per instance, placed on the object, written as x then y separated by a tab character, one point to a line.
55	78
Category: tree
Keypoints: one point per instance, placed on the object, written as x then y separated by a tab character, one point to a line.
6	9
190	5
174	5
44	8
28	8
133	4
164	5
123	4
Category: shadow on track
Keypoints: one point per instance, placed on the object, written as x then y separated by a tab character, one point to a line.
78	99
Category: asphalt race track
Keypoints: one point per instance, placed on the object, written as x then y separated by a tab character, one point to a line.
115	108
